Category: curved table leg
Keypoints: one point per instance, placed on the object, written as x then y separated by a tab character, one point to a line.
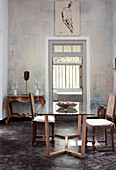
7	110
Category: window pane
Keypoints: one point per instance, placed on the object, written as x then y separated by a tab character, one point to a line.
67	48
77	77
71	82
58	48
76	48
66	76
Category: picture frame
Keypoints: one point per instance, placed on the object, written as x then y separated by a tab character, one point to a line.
67	18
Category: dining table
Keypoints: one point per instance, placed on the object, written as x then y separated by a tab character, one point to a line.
81	111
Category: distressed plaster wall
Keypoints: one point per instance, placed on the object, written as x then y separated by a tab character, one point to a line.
30	21
114	27
97	23
114	44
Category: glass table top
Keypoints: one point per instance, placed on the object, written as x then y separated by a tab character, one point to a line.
72	108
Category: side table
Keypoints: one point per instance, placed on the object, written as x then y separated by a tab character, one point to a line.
22	99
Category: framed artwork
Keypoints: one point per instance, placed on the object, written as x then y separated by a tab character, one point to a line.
67	18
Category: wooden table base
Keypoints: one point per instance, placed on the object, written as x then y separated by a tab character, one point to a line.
82	154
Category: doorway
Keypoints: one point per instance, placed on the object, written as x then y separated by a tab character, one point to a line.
67	70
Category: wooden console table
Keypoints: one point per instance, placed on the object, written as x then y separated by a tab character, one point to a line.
22	99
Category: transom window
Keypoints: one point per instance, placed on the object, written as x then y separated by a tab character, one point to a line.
67	48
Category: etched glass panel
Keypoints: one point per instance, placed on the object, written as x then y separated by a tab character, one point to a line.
67	60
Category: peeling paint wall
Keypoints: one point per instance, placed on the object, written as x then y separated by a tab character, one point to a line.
30	21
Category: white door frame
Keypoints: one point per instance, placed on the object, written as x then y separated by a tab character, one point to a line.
1	75
47	39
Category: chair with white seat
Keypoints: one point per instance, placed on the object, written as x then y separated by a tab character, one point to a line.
104	124
39	120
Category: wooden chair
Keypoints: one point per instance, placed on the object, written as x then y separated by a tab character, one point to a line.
104	124
39	120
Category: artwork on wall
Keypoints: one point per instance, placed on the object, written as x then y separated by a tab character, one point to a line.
67	18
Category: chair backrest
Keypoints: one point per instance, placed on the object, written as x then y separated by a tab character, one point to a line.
32	104
110	110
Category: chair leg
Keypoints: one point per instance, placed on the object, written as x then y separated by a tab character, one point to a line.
105	136
93	140
53	130
86	136
34	133
112	137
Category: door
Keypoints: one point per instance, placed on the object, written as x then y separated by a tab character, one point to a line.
67	70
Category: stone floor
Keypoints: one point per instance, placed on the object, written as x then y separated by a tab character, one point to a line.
17	153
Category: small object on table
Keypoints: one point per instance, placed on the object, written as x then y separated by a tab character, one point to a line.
66	107
15	92
66	104
37	92
26	77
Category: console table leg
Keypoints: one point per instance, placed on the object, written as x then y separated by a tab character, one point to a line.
7	111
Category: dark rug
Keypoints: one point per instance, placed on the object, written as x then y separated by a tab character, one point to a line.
17	152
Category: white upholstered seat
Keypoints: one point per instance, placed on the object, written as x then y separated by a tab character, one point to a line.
99	122
42	118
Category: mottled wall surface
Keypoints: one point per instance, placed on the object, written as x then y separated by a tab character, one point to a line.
114	44
3	55
96	18
114	27
30	21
